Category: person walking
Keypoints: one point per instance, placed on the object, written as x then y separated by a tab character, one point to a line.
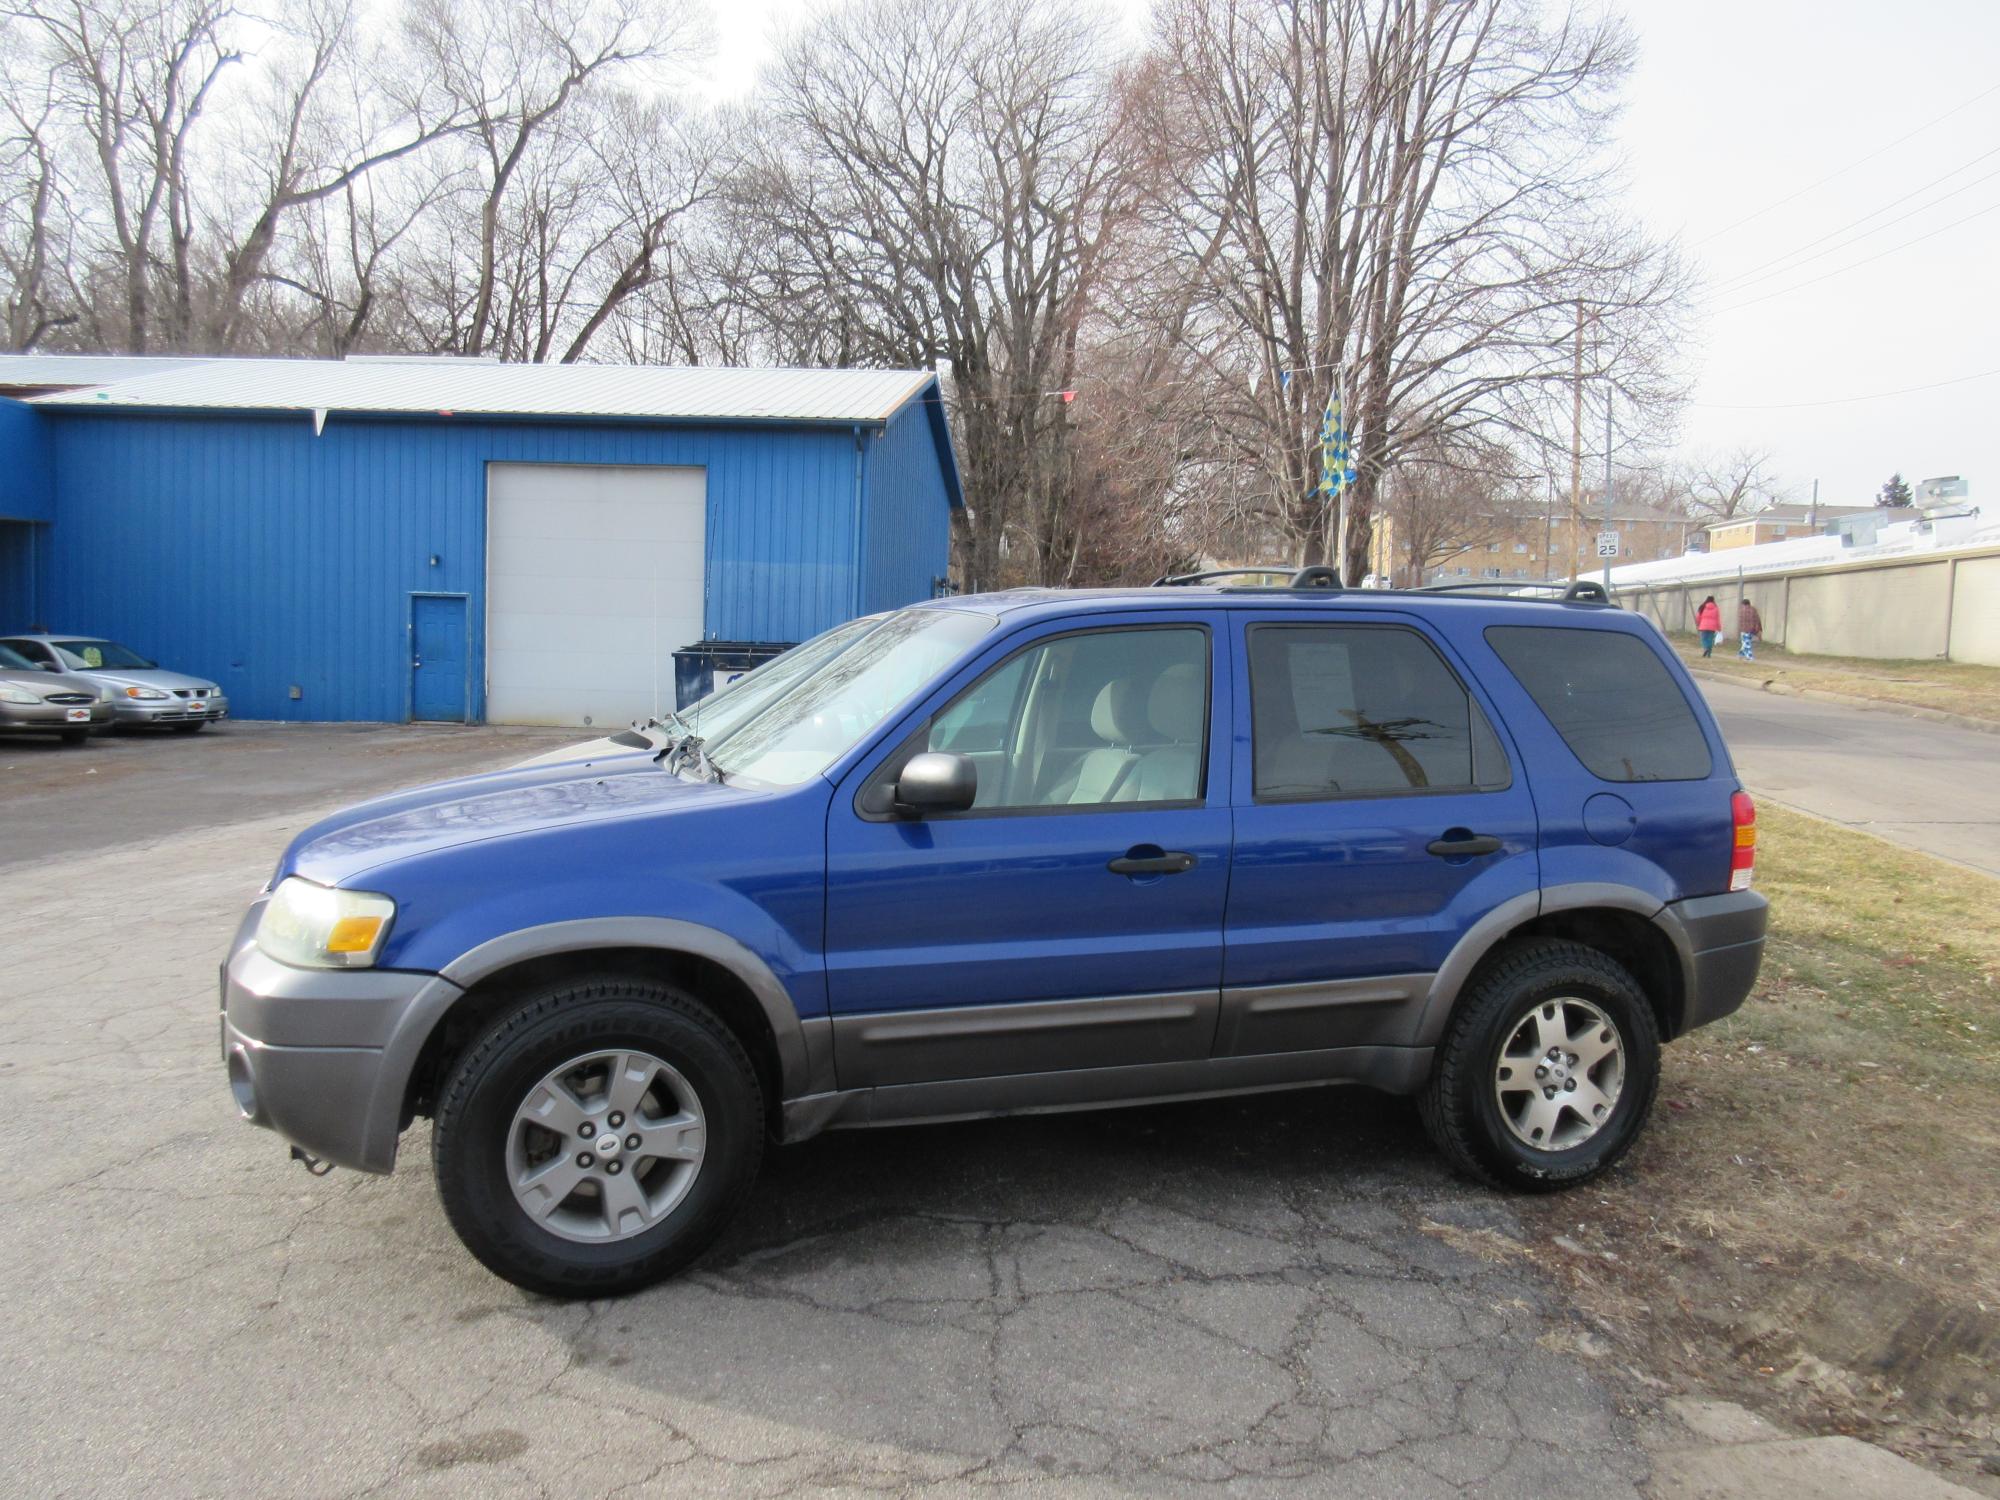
1749	625
1708	620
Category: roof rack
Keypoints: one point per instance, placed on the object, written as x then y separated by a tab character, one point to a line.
1316	576
1577	591
1172	580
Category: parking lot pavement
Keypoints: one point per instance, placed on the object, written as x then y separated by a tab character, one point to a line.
1269	1296
140	786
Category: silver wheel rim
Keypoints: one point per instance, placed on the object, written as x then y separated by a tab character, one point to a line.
606	1146
1559	1075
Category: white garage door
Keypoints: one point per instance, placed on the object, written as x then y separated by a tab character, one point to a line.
593	579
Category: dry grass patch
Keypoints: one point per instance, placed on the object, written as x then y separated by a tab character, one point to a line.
1955	687
1812	1223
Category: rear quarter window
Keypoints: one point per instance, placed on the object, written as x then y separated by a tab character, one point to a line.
1610	698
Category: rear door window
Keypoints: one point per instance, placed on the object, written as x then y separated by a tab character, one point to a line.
1360	711
1611	699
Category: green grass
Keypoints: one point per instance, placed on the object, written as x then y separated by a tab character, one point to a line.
1877	954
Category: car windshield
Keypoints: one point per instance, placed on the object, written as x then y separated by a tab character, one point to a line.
804	730
722	710
91	656
14	661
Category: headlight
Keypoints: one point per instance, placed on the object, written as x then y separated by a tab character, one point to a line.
146	693
317	927
17	695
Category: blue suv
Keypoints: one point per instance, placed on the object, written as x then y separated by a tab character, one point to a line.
1024	851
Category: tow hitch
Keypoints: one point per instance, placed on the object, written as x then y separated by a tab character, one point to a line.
311	1163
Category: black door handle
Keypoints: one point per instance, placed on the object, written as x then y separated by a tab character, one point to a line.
1170	863
1472	843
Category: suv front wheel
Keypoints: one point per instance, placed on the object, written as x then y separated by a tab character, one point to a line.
597	1138
1547	1071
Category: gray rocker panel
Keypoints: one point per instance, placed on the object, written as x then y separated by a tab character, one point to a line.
1399	1070
977	1041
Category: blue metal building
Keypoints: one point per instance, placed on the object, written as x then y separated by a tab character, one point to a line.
394	539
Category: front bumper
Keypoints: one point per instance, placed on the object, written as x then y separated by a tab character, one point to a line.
1722	944
52	718
169	710
322	1056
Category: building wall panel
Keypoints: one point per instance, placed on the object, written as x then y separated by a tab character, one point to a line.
1975	614
26	493
906	528
249	549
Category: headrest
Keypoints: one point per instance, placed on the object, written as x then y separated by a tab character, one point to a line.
1118	717
1176	706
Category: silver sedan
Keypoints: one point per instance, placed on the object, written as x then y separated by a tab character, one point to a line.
142	691
33	701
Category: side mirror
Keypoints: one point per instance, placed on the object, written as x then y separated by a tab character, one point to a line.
936	782
48	666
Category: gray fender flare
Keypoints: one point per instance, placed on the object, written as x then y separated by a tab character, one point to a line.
805	1047
1480	939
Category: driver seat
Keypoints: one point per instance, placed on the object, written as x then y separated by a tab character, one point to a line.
1118	717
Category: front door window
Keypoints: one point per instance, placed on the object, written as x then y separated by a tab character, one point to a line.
1098	719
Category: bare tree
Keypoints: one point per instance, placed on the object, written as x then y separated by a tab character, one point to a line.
1450	497
1719	486
520	75
36	225
197	133
937	181
1399	201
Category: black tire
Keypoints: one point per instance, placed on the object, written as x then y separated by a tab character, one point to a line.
75	736
1460	1106
497	1071
195	728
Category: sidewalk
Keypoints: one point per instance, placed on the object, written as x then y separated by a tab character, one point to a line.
1716	1450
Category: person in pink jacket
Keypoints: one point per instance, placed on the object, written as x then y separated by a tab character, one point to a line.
1708	620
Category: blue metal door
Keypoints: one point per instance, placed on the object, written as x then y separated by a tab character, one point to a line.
437	659
1078	923
1378	817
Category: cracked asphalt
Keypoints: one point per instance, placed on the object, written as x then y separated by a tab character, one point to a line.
1268	1296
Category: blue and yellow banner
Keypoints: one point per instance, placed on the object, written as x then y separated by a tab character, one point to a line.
1336	452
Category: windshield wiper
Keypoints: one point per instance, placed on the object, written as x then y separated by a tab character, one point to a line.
688	750
677	733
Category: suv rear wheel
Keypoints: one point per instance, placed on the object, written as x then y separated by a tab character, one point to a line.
1547	1071
597	1138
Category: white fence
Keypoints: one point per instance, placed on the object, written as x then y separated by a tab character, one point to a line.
1911	607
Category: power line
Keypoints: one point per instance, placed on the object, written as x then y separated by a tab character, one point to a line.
1750	276
1908	390
1843	171
1786	291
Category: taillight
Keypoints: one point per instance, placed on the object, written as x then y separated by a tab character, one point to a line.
1743	853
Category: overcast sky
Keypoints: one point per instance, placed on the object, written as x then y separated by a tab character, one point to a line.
1775	139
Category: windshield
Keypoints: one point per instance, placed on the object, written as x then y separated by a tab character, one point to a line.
90	656
14	661
722	710
802	731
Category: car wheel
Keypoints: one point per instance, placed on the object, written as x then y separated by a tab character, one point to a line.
597	1138
75	736
1547	1071
194	728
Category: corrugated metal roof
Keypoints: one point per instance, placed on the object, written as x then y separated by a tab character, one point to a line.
467	387
39	370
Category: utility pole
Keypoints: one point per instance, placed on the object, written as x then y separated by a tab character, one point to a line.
1576	447
1815	508
1548	528
1609	392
